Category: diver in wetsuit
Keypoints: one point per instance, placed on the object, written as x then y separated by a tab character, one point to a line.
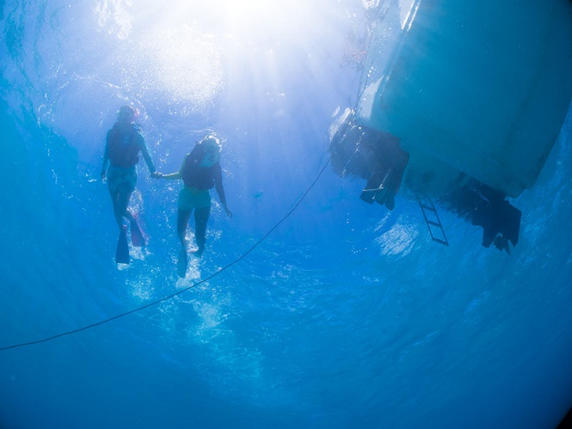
123	144
200	172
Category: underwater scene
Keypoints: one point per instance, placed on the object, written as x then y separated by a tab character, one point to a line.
285	214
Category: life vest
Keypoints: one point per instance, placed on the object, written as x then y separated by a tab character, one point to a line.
194	174
123	145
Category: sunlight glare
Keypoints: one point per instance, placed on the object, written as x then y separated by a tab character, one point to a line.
186	62
182	47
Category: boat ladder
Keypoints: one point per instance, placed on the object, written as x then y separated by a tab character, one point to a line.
432	220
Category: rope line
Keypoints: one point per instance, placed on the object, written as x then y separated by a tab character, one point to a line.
179	292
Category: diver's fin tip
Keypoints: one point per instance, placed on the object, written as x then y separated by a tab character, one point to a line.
122	251
138	237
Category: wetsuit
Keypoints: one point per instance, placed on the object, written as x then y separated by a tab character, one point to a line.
123	145
198	180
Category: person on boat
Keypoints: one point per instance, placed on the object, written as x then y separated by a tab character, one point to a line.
123	144
200	172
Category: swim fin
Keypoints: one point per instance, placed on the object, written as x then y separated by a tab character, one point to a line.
138	237
182	264
122	252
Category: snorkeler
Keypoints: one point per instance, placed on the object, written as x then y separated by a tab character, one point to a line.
200	172
123	144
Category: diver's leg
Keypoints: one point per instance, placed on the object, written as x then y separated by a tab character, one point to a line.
128	188
114	194
183	216
182	222
201	219
130	217
118	199
120	188
115	199
120	203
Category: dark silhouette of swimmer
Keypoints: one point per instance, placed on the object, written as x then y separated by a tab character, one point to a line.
486	207
123	144
200	172
373	155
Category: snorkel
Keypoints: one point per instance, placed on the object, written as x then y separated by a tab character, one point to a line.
211	147
126	115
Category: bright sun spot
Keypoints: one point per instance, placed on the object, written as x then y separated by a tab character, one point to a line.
184	43
186	62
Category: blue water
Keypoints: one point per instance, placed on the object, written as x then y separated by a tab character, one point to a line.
346	316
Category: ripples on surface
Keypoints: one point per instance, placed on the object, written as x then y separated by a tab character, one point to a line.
347	316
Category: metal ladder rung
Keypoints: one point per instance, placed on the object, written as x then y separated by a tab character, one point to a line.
437	223
423	206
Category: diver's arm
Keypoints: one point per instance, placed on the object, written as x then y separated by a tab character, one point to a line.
220	189
172	176
146	155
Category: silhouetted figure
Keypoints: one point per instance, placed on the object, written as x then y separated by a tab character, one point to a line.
373	155
123	145
200	172
488	208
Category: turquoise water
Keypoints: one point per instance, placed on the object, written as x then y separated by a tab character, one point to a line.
346	316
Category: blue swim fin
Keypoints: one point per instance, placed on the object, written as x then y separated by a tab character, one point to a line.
138	238
122	252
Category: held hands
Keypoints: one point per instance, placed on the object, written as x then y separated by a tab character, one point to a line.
171	176
159	175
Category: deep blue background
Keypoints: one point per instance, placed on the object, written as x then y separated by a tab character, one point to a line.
347	316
